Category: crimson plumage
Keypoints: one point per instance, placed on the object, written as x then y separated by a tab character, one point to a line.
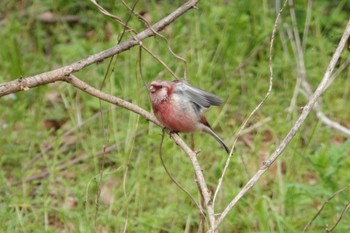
180	107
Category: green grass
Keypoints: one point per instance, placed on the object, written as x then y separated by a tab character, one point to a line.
215	39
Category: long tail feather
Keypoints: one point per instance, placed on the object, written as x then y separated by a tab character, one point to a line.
210	131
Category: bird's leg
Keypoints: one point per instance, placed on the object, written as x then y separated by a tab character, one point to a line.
192	141
173	132
193	145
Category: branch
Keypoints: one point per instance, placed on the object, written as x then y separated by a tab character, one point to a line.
306	110
136	109
299	55
200	179
66	74
255	109
322	207
23	84
76	82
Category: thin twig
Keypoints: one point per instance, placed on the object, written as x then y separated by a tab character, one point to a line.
160	61
339	70
332	124
322	207
166	41
23	84
98	191
199	178
116	18
290	135
76	82
307	23
299	56
256	108
347	206
254	126
173	179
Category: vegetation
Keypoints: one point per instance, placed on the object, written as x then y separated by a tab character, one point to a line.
57	124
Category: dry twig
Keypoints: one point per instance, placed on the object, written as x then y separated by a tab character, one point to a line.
255	109
298	48
322	207
306	110
23	84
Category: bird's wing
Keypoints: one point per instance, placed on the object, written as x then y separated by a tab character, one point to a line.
198	96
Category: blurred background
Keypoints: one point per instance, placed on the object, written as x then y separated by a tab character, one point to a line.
60	147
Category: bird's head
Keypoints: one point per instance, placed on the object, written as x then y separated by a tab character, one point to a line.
160	91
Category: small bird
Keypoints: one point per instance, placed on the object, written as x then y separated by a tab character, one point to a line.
180	107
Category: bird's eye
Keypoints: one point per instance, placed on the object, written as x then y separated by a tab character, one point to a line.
160	86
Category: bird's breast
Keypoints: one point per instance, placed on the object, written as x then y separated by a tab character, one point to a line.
176	115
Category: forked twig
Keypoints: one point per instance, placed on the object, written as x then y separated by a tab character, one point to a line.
297	47
306	110
322	207
23	84
166	41
159	60
116	18
76	82
347	206
256	108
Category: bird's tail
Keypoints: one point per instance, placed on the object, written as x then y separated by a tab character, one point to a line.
210	131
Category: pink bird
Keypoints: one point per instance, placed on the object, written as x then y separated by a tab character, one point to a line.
180	107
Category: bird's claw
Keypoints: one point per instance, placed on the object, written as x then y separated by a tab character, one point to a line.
171	132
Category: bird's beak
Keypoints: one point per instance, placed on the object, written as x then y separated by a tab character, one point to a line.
152	89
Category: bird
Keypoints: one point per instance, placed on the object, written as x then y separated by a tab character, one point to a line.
180	107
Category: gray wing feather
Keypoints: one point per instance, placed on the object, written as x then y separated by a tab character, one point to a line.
198	96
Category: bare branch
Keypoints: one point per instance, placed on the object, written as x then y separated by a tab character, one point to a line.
345	209
297	47
306	110
256	108
66	74
76	82
166	41
200	179
173	178
22	84
160	61
116	18
132	107
324	204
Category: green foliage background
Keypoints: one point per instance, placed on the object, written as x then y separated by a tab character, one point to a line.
215	39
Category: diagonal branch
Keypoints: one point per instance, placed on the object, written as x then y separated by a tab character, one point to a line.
306	110
324	205
298	46
59	74
256	108
76	82
65	73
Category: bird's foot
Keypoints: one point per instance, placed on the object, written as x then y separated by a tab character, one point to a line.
171	132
